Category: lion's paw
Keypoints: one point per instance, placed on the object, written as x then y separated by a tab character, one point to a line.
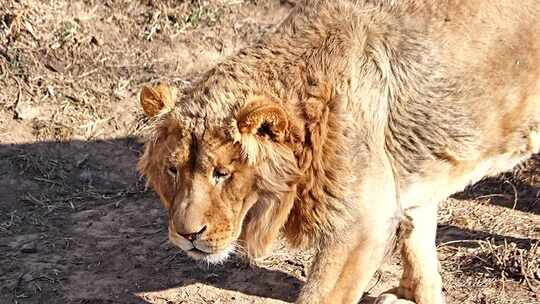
389	298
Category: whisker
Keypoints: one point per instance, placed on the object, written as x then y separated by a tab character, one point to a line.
239	249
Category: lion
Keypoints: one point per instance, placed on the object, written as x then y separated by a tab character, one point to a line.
343	127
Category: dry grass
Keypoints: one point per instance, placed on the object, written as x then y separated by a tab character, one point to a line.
506	261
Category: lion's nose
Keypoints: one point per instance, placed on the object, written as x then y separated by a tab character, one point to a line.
192	236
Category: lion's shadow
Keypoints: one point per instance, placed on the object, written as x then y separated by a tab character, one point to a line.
235	275
508	191
77	221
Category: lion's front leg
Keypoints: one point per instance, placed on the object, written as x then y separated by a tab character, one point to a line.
341	271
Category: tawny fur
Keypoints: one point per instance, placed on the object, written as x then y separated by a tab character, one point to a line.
352	116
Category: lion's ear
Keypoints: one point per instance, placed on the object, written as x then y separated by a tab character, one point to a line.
157	99
261	117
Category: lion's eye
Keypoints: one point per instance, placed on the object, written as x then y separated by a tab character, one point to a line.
172	171
220	174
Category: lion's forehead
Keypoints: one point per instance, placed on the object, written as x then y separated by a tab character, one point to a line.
209	147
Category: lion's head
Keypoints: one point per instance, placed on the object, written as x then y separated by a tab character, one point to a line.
226	183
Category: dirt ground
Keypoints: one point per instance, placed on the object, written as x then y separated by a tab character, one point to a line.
76	222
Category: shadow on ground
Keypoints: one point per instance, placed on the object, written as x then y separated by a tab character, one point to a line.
505	191
77	226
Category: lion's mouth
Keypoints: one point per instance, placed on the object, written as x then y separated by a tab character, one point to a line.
209	255
211	258
198	251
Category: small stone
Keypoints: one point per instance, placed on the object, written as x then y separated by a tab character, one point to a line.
95	40
50	91
26	111
27	277
29	248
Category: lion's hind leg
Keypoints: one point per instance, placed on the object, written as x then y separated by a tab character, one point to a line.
421	281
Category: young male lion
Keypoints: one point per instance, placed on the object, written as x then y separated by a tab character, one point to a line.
349	119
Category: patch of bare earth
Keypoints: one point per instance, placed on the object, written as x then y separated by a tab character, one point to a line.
76	222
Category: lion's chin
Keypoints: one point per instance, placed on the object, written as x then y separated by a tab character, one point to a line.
217	257
210	257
